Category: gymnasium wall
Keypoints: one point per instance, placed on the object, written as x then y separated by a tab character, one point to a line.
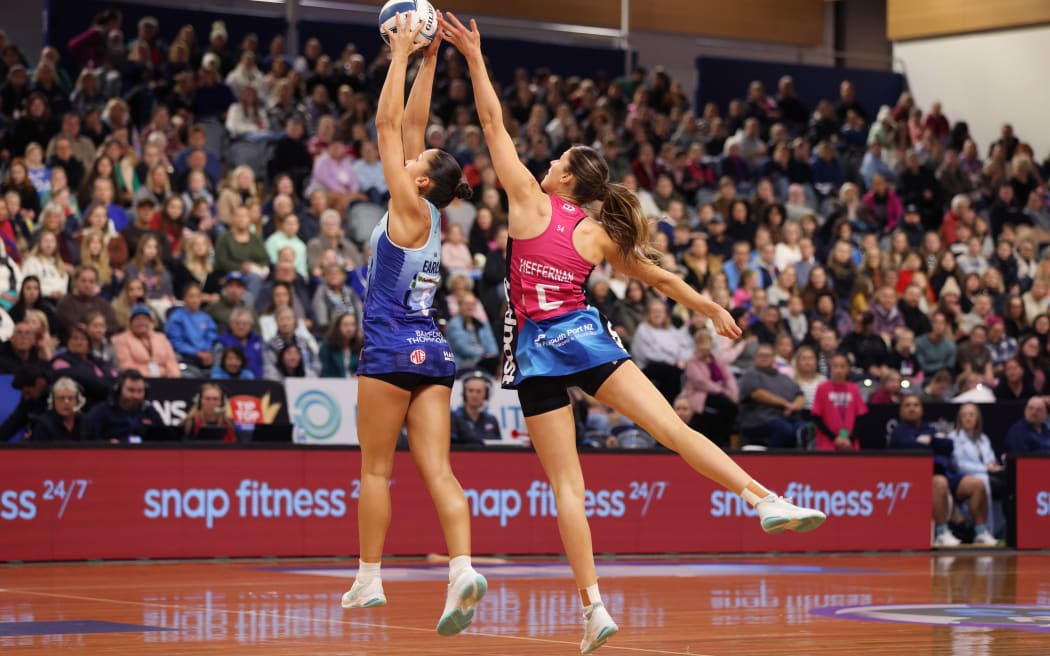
910	19
985	79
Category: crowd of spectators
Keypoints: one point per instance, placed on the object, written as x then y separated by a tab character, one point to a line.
177	205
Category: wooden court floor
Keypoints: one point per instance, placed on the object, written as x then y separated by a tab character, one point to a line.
968	603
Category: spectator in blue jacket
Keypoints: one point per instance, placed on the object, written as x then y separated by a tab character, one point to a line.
191	331
1031	434
471	340
240	334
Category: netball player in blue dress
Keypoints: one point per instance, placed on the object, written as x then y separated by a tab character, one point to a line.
553	339
406	370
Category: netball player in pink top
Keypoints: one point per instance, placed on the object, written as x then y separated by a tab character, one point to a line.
560	229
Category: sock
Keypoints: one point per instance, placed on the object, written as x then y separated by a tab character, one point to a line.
590	596
456	566
754	492
979	528
939	529
366	572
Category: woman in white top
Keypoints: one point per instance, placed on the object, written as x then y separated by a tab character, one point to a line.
661	351
44	262
973	456
246	117
806	375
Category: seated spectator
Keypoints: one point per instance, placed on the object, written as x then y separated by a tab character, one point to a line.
1028	435
948	483
341	349
230	365
837	405
972	456
370	174
868	349
284	274
241	251
334	297
711	389
289	363
806	374
76	362
455	254
209	416
938	389
289	330
31	381
290	155
143	349
287	236
238	192
890	390
246	118
334	173
1014	385
192	331
660	350
147	267
142	226
1002	347
132	295
45	264
84	298
20	350
126	417
101	347
936	350
470	423
63	421
333	238
233	293
240	334
472	341
972	389
770	404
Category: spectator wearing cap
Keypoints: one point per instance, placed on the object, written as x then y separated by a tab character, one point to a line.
191	331
334	173
1030	434
73	308
31	381
76	362
233	298
143	349
241	335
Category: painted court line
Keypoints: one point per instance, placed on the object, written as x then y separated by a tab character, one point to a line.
278	615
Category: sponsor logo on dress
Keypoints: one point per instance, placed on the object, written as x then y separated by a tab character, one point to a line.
419	356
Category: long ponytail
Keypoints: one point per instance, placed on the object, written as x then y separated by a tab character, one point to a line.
620	213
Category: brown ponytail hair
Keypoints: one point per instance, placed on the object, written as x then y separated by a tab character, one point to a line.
620	214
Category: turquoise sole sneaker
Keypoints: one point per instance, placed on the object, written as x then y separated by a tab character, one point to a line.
459	617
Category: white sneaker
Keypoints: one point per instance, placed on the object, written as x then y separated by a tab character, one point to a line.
463	594
598	629
779	514
365	595
985	539
946	539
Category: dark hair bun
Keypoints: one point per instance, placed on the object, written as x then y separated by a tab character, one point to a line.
463	191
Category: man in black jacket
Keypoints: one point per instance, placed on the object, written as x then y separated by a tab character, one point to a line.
127	416
32	382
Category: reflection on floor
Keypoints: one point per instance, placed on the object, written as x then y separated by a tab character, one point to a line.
978	604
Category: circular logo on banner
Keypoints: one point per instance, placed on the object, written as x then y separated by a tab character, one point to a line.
419	356
990	616
317	415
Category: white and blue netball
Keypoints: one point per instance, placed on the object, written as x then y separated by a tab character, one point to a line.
421	10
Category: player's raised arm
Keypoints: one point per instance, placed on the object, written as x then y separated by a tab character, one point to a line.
417	111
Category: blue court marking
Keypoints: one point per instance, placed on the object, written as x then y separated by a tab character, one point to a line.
72	627
561	570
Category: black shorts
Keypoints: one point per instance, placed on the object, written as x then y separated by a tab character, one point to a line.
410	382
545	393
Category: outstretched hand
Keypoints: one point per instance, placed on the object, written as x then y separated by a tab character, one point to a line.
468	42
725	325
403	40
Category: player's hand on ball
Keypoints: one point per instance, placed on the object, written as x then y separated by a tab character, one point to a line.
435	45
403	40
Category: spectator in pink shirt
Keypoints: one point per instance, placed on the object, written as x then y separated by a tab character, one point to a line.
836	407
334	174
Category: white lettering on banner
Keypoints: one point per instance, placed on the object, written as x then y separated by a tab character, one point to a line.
834	503
254	499
22	504
507	504
1042	504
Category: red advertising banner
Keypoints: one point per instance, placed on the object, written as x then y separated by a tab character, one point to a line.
1033	502
68	504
